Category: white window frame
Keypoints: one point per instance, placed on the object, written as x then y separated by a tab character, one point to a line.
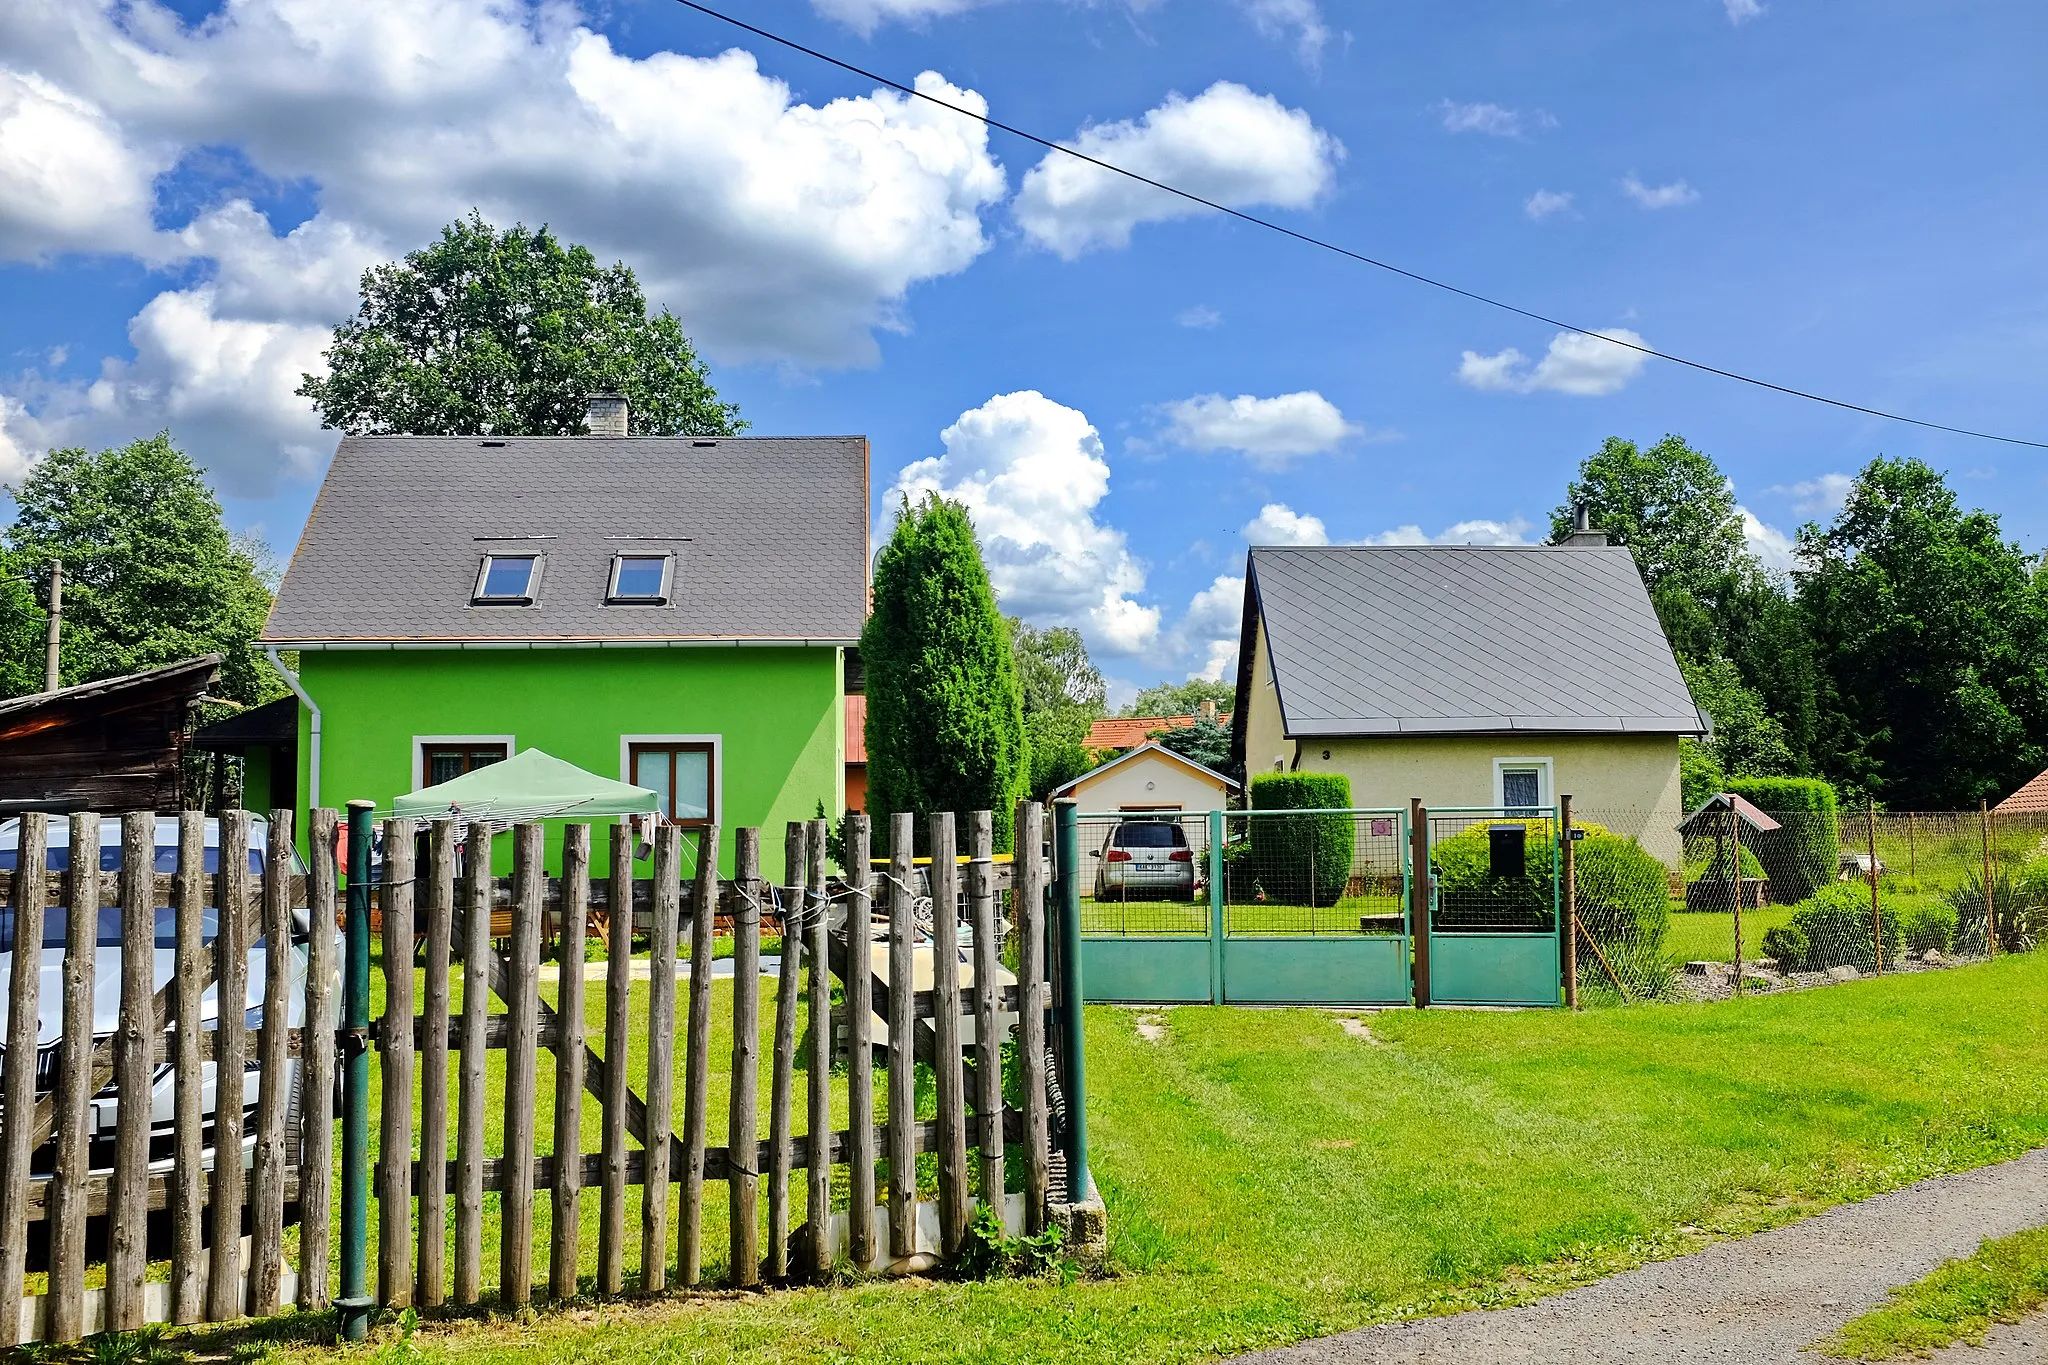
1545	788
530	598
668	578
422	743
717	743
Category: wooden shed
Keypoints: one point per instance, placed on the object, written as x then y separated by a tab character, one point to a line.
111	745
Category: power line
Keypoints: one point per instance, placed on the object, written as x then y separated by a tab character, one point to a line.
1344	251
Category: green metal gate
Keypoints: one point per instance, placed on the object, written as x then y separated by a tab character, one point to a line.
1245	907
1493	931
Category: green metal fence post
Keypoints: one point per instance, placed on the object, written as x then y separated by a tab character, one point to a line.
1215	907
1066	852
355	1301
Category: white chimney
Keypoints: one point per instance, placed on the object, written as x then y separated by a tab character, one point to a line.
1207	710
605	414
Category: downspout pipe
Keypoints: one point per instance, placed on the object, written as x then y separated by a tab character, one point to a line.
298	688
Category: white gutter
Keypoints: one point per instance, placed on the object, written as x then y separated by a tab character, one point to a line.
291	680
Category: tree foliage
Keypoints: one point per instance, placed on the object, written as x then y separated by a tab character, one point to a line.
1747	739
1183	698
151	575
1063	694
1207	742
945	725
507	333
1670	504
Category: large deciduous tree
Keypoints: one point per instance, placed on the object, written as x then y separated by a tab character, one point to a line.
151	575
1063	694
1183	698
1930	633
507	333
1670	504
945	726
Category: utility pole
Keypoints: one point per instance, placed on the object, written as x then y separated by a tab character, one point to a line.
56	625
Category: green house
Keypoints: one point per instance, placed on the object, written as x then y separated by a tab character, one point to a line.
672	611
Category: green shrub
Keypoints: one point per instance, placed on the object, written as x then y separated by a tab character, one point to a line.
1624	903
1469	896
1787	944
2019	900
1302	859
1805	853
1931	927
1836	920
1699	774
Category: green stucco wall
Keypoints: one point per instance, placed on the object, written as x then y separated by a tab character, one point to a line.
778	713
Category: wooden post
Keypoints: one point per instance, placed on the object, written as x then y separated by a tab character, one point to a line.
395	1049
1571	905
661	1060
1028	883
697	1067
231	963
1735	841
988	1041
782	1078
471	1100
1912	851
618	986
1990	905
567	1206
1418	895
860	1074
266	1243
1876	915
952	1098
743	1119
64	1309
515	1247
128	1192
430	1288
316	1107
818	1014
902	1035
18	1077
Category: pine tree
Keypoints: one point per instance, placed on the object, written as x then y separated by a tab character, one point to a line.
945	716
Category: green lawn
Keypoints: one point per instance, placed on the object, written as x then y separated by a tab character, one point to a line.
1958	1302
1271	1177
1709	935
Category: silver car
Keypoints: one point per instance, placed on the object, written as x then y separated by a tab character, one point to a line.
107	985
1145	857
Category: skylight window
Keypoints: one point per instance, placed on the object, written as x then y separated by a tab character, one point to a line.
640	580
507	580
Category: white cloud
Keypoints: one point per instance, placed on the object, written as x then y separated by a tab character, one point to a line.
1209	631
1279	524
1818	497
776	230
1032	474
1199	317
1742	11
1487	118
1543	203
1575	363
1677	194
1227	145
1770	545
1298	20
1513	531
1270	432
865	16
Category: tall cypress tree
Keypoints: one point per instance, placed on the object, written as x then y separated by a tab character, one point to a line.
945	715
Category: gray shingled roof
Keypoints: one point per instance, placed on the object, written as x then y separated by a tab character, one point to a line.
769	533
1463	639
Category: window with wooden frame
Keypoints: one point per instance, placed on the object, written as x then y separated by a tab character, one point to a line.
444	760
680	774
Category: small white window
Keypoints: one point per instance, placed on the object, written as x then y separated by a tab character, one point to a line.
1521	786
507	580
641	580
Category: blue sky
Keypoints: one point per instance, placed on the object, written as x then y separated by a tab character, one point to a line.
1842	198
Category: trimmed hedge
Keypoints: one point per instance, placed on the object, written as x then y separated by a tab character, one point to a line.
1837	923
1806	853
1302	859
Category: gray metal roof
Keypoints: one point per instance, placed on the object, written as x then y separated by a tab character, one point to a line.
1370	640
769	533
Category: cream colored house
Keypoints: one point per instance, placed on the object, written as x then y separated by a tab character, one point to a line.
1488	677
1150	778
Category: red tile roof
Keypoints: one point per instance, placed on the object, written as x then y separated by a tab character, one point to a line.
856	728
2032	797
1128	732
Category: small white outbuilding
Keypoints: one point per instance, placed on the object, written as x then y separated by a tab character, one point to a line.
1150	777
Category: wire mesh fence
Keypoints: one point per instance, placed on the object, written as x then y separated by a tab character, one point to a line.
1145	874
1797	898
1494	873
1314	872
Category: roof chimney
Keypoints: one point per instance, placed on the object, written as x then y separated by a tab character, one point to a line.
605	414
1583	530
1207	709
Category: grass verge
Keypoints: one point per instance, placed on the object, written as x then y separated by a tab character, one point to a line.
1958	1302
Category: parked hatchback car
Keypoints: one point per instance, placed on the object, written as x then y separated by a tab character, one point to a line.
107	986
1145	857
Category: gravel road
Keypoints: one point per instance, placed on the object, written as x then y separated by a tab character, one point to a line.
1754	1301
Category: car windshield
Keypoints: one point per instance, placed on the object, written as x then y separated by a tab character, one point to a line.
1151	835
107	934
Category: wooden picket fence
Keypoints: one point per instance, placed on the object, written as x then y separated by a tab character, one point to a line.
430	1205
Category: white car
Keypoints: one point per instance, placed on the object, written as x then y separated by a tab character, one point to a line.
1145	856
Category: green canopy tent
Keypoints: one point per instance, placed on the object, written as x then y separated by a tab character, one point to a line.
530	785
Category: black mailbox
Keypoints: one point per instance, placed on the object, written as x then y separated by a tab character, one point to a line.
1506	849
